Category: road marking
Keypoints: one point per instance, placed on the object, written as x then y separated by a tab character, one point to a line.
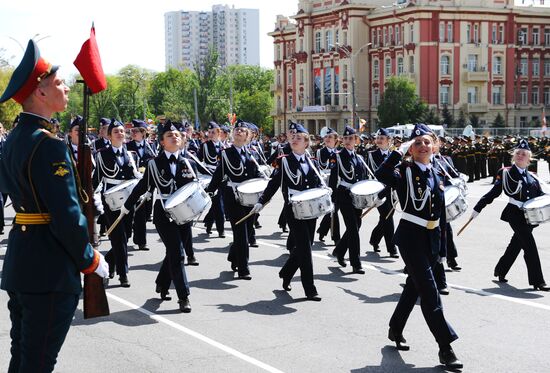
196	335
466	289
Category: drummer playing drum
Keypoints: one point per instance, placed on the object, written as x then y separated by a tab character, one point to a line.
347	168
294	173
520	186
167	173
236	164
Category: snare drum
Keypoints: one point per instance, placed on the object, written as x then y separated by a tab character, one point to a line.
455	203
117	195
187	203
364	194
460	182
537	210
312	203
249	192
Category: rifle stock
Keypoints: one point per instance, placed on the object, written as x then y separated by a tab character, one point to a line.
95	298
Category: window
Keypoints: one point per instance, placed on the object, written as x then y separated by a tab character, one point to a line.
547	67
290	101
411	34
444	65
472	62
328	40
536	69
476	33
397	36
375	69
390	31
301	44
411	64
373	38
378	37
547	96
501	34
400	66
345	38
535	95
523	121
494	34
317	42
473	95
387	67
523	66
278	52
497	95
444	95
301	76
375	97
523	96
289	80
449	32
497	66
547	36
385	37
522	36
441	32
468	33
337	37
535	36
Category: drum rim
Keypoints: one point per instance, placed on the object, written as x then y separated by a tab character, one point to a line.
293	198
121	186
191	185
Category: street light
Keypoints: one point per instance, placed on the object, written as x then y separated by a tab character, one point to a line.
351	57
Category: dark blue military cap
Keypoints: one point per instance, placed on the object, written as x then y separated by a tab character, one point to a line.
178	126
76	121
348	131
330	131
241	124
166	127
225	128
138	123
104	121
523	144
292	126
212	125
382	132
420	129
301	129
114	123
31	70
187	125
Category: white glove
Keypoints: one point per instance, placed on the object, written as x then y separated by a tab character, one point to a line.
98	204
146	196
124	210
103	268
474	214
441	259
257	208
404	148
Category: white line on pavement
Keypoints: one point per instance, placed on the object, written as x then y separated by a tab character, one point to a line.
398	273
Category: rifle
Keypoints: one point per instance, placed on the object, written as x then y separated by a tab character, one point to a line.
95	298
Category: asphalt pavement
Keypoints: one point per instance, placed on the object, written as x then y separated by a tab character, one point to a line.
256	326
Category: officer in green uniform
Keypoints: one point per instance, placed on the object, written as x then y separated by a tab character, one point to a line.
48	245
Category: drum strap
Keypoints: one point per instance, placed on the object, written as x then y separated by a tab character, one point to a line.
515	202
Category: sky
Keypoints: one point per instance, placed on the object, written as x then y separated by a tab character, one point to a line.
127	32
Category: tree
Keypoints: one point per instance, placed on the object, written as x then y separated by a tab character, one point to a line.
171	94
9	109
447	117
400	103
499	121
131	99
431	117
461	121
205	75
474	120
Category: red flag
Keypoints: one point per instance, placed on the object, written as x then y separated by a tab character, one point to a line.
88	62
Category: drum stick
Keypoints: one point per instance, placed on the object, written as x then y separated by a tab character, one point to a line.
464	226
245	217
366	212
118	220
8	205
392	210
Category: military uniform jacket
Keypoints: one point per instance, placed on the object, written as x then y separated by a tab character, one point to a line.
445	168
288	175
193	146
375	158
346	170
148	152
396	175
100	144
233	169
158	175
323	157
47	257
517	188
281	149
110	172
209	152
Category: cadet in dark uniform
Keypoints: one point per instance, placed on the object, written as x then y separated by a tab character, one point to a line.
48	244
114	165
73	137
102	141
420	238
520	186
193	145
323	156
294	173
385	227
347	168
143	153
2	195
236	166
209	154
166	173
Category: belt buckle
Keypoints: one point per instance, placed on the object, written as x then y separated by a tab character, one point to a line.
432	224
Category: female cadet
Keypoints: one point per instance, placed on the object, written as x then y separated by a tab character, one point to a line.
347	168
294	173
114	165
419	238
168	172
520	186
236	165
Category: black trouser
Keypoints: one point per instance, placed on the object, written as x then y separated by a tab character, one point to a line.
483	161
350	239
385	227
325	225
300	256
471	167
282	220
39	325
172	268
118	255
439	275
186	234
251	230
522	239
239	250
421	283
452	253
2	201
139	224
215	214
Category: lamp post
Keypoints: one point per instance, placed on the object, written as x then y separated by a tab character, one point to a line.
352	57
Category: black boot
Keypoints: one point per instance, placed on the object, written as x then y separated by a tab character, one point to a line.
185	305
400	342
448	358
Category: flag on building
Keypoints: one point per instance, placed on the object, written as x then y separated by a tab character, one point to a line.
88	63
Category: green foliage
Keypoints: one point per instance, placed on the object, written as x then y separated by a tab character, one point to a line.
400	103
447	117
499	121
431	117
9	109
461	121
474	120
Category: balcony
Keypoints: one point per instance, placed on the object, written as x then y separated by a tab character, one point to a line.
476	76
476	108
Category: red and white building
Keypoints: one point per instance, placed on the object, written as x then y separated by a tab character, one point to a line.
483	57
